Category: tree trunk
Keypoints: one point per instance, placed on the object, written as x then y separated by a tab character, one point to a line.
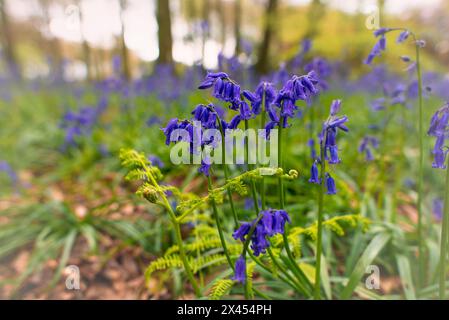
54	43
381	6
262	65
219	8
125	55
86	48
164	34
205	28
314	16
8	42
237	25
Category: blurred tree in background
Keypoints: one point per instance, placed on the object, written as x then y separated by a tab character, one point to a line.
164	32
206	28
8	41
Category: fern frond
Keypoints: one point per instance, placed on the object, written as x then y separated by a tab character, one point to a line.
249	278
208	261
220	288
201	245
132	159
336	224
204	230
198	218
163	263
295	242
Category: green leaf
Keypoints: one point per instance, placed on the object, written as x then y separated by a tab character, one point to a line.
68	245
406	276
370	253
325	281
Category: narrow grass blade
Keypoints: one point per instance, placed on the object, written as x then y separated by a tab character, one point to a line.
370	253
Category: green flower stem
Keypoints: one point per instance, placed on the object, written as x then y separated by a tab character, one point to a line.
262	126
226	174
287	278
280	159
250	167
296	286
178	237
217	221
245	249
420	170
401	164
261	294
383	176
319	245
444	240
182	253
296	270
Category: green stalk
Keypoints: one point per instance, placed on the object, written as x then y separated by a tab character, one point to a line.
250	167
296	270
444	239
420	170
319	245
183	256
217	221
245	249
280	181
226	174
262	125
178	237
287	279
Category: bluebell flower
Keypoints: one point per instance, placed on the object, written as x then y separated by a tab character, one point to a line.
403	36
245	111
156	161
235	121
381	31
335	107
242	231
306	45
247	46
206	115
249	203
379	46
333	155
366	145
281	76
272	114
205	167
329	134
323	70
297	88
437	208
268	127
240	270
439	129
330	185
211	79
82	122
153	120
171	126
6	168
224	88
328	143
439	161
264	89
314	174
311	144
269	223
